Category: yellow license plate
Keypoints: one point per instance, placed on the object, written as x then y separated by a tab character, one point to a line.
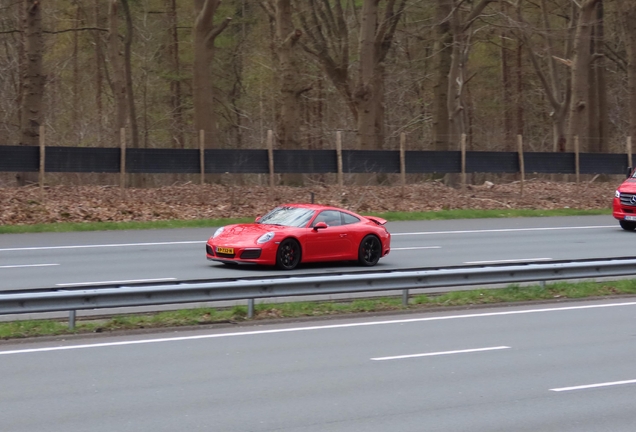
225	250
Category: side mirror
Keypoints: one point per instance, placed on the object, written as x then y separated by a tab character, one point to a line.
629	172
320	225
257	219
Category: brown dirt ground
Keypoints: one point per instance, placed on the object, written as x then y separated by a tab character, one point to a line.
30	205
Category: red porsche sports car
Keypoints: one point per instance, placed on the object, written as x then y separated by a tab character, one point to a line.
300	233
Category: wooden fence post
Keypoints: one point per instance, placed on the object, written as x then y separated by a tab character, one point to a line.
577	166
339	157
463	150
202	155
522	165
42	158
122	160
270	156
402	161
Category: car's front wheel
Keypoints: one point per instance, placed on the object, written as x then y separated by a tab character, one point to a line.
288	254
370	251
627	226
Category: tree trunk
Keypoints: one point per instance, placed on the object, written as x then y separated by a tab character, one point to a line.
506	90
130	97
628	12
32	82
205	33
579	105
444	50
99	62
118	79
290	83
601	85
176	107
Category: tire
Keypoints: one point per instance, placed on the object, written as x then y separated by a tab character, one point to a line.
627	226
370	251
288	254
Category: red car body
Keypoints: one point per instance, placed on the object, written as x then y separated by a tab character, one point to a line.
292	234
624	205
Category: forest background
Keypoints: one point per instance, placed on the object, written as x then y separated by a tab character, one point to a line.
165	70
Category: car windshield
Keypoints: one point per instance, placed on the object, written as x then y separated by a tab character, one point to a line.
287	216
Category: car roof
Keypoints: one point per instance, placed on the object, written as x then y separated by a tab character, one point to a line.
312	206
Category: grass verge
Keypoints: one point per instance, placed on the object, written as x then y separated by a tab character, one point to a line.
207	223
201	316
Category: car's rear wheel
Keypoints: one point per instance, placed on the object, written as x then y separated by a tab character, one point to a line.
288	254
627	226
370	251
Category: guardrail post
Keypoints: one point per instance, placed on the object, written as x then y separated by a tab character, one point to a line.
250	308
405	297
71	319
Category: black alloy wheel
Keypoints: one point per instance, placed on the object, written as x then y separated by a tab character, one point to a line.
288	254
370	251
627	226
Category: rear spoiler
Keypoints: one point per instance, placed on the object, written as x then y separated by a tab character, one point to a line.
377	220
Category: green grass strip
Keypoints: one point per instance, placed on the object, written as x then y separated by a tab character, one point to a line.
421	302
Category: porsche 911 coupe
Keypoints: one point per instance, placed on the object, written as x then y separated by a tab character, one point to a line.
301	233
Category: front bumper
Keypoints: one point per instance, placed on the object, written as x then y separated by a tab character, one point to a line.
241	255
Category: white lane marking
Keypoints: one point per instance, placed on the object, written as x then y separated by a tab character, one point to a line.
416	248
503	230
27	265
325	327
441	353
508	261
589	386
101	246
115	282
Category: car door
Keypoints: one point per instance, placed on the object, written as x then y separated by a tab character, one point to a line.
330	243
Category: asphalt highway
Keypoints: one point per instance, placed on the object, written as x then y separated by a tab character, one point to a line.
81	259
566	367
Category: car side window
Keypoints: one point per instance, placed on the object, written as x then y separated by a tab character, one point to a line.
349	219
330	217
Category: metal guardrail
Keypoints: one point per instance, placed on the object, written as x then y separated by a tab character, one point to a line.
284	286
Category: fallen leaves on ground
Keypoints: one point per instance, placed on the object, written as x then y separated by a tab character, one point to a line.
32	205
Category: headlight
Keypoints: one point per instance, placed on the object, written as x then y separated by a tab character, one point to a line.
617	194
265	237
218	232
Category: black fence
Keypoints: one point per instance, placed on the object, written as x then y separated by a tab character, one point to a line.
107	160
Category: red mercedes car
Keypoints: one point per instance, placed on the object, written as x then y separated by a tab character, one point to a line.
300	233
624	205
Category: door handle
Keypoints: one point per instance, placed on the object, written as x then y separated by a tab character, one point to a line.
342	235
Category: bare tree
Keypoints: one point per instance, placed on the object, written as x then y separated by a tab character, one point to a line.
118	78
130	97
328	33
627	9
556	81
580	66
33	79
205	33
176	104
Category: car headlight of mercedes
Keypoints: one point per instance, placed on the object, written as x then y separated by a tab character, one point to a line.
617	194
265	237
218	232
